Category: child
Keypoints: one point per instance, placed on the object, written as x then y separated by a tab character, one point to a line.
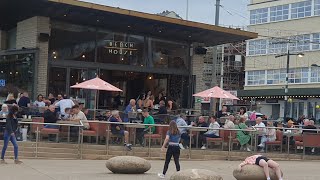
263	162
172	139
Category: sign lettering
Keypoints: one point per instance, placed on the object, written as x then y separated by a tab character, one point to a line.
121	48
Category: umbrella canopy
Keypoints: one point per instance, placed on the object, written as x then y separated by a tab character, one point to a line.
96	84
216	92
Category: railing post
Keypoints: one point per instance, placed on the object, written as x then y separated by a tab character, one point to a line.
190	141
37	141
149	148
80	141
107	139
230	141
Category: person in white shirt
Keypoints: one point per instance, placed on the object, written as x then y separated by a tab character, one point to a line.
270	136
260	126
229	124
39	102
261	129
80	117
211	133
63	104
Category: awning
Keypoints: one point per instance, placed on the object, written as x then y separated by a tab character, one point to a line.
120	20
299	92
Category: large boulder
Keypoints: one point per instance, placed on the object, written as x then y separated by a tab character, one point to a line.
128	165
253	172
195	174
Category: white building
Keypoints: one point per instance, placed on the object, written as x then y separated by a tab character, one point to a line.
274	21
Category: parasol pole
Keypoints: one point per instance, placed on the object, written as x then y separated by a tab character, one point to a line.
95	105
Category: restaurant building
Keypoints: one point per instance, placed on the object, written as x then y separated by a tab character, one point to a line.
46	46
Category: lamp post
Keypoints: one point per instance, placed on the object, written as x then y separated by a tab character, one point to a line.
286	89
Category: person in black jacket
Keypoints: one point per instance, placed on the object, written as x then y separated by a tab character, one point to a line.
50	116
9	134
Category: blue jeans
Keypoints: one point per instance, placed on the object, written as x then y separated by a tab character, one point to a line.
51	126
186	139
13	140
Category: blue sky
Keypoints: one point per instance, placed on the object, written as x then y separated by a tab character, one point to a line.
232	12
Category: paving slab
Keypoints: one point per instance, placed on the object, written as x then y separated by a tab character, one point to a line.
33	169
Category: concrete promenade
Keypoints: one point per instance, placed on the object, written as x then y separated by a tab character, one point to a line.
95	170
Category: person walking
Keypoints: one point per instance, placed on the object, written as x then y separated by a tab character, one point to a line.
172	139
9	134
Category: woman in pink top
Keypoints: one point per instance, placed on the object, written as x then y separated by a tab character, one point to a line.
263	162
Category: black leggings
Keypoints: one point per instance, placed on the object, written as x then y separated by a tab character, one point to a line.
175	152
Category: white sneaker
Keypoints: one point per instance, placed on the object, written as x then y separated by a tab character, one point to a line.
248	149
203	147
161	176
181	146
187	147
260	145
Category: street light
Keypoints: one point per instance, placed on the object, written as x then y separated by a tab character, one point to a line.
288	54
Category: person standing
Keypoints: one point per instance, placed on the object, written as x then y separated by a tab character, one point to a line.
63	104
172	139
9	134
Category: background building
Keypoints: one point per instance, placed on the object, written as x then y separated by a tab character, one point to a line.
276	22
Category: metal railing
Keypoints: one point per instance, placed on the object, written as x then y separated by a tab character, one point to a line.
253	132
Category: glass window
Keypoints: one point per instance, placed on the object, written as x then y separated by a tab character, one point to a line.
16	74
279	13
72	43
116	48
256	77
295	110
57	80
301	9
316	41
257	47
259	16
316	7
273	76
311	108
300	43
275	47
315	74
301	109
168	54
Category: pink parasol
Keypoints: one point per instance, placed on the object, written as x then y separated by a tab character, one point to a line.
216	92
96	84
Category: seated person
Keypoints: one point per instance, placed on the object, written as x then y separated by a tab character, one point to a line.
211	133
269	137
80	117
130	108
290	124
50	116
117	129
141	131
229	124
263	162
162	108
309	124
67	115
107	116
182	126
201	123
4	110
261	129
